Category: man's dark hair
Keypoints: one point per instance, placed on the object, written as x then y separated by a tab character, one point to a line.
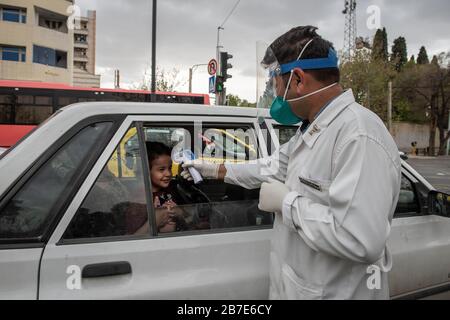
157	149
288	47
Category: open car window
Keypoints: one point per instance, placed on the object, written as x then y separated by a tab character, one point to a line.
212	205
140	192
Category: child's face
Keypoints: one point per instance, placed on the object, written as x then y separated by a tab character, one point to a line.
161	172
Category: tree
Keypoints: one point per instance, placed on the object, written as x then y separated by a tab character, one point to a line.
435	60
380	45
166	81
368	78
235	101
413	59
399	56
423	56
430	85
385	45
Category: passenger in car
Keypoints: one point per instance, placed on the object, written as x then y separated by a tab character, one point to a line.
169	217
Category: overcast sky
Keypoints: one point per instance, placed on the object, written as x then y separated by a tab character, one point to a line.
187	33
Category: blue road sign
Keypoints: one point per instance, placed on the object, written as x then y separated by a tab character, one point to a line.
212	84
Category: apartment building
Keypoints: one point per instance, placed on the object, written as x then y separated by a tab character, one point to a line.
84	52
35	41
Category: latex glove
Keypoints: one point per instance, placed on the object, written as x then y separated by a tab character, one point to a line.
272	195
208	170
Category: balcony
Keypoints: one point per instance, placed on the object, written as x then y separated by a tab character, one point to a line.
81	44
81	31
51	20
80	57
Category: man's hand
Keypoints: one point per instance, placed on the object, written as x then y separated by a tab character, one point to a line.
208	170
272	195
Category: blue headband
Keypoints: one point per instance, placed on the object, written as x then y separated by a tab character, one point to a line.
312	64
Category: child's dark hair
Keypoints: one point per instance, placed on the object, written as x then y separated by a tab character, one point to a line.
155	150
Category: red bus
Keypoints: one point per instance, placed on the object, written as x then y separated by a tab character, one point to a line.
25	104
30	103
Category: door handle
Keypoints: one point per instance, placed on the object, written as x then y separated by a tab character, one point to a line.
107	269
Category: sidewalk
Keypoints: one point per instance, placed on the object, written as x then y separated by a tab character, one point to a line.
410	156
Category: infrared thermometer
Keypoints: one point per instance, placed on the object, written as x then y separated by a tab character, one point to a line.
182	156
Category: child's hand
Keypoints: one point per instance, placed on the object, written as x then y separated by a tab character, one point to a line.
164	217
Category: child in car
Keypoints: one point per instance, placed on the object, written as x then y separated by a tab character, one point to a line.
164	198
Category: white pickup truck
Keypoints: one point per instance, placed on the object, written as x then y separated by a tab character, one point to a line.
75	196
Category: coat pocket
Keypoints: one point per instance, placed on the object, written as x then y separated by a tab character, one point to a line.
317	189
295	288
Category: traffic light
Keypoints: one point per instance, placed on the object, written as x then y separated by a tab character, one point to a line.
219	84
224	65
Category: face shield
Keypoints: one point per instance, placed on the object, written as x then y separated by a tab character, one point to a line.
265	83
273	87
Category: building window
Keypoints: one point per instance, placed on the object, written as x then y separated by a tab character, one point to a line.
80	38
51	20
14	15
8	53
49	57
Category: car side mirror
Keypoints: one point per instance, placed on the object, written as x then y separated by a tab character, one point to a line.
439	204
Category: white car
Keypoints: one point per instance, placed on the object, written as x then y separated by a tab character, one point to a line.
77	219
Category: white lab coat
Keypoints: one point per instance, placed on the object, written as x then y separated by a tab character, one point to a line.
344	174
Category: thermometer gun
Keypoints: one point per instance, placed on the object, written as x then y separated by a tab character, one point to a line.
182	156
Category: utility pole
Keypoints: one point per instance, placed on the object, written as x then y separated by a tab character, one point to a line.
448	141
191	72
218	94
117	79
389	111
153	89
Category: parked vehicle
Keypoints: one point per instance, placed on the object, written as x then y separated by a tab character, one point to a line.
69	214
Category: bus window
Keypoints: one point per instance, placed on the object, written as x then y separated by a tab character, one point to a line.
32	115
65	101
43	101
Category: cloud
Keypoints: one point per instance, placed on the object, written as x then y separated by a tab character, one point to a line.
187	32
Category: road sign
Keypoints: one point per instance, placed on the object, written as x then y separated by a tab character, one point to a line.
212	67
212	84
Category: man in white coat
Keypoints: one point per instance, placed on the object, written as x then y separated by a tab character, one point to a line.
337	183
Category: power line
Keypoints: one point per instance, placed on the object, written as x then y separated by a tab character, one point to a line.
229	15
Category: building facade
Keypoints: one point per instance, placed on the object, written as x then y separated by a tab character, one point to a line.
84	52
36	43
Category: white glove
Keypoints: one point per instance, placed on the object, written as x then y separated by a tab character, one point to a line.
208	170
272	195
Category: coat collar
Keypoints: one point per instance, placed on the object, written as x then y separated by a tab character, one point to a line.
328	115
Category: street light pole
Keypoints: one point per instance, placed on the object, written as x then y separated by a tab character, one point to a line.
389	111
191	72
153	88
218	95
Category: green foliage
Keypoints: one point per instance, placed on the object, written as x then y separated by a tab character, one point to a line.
380	45
423	56
235	101
368	78
399	56
401	110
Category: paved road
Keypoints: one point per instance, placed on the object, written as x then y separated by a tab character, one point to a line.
435	170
